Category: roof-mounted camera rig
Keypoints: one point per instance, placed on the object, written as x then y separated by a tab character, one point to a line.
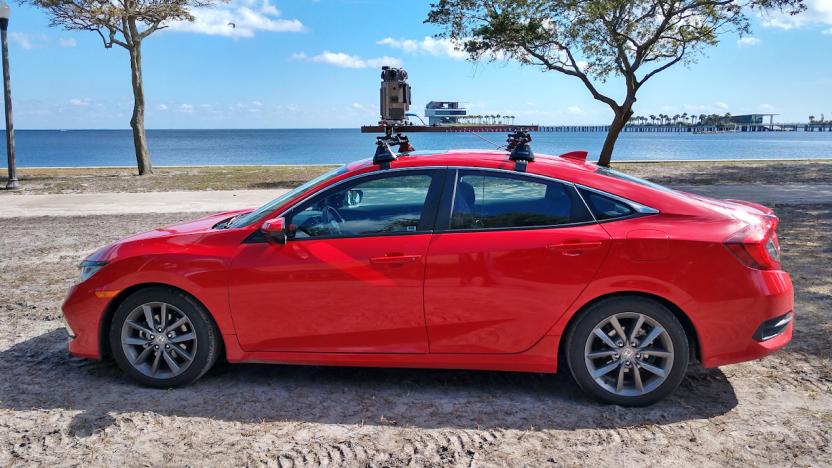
395	102
519	149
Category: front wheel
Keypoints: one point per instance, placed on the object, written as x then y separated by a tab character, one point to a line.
628	351
163	338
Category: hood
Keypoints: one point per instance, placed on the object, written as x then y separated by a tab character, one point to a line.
186	232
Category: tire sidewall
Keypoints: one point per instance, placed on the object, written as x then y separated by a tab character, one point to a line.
206	335
576	341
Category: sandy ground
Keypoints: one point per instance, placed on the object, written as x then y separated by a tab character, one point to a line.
166	179
65	411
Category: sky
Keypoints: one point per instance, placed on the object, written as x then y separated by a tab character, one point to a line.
315	64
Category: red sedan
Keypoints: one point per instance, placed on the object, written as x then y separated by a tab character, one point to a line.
458	259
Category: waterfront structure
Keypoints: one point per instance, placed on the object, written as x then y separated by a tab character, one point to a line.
444	112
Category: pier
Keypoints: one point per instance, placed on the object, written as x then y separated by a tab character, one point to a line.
703	129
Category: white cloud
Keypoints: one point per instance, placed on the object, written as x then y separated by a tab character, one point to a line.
343	60
428	45
574	110
818	12
28	41
85	102
721	105
238	19
748	41
67	42
186	108
162	107
827	31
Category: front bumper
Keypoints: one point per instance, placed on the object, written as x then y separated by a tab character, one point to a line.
83	312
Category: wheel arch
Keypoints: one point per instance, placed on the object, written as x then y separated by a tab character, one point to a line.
687	324
109	312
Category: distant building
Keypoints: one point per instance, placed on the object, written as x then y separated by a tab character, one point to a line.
752	119
444	112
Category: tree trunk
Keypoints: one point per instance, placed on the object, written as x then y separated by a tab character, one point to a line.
622	115
137	121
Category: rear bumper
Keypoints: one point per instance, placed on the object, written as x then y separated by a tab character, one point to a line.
752	327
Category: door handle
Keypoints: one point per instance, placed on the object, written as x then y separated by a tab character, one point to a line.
395	259
572	249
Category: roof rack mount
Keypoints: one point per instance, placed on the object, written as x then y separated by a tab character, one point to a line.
519	149
384	153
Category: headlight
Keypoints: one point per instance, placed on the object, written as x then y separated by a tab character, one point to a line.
89	268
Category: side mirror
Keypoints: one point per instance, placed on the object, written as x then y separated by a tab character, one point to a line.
353	197
275	230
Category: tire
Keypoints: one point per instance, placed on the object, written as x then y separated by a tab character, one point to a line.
135	349
621	373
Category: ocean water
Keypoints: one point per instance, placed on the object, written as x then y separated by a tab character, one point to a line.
79	148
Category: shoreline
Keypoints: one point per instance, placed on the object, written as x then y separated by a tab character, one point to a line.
124	179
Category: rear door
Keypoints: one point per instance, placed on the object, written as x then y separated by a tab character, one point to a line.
513	252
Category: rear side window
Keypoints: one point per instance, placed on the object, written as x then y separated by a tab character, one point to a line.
604	207
489	200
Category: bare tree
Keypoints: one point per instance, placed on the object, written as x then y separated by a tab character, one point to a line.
125	23
593	39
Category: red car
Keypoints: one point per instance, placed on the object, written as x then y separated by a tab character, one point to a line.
457	259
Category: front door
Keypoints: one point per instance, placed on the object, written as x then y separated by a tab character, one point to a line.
350	277
516	252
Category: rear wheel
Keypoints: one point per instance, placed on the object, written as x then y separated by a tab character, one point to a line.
628	351
163	338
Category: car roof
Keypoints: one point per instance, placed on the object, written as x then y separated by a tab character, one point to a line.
544	164
569	167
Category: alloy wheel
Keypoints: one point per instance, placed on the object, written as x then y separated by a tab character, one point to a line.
629	354
158	340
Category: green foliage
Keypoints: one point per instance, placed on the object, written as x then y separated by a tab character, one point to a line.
121	22
593	40
597	38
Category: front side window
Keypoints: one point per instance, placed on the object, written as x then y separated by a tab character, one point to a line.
488	200
394	203
258	214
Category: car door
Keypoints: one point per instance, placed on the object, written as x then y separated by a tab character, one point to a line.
513	253
350	276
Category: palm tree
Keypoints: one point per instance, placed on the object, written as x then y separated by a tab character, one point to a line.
652	119
685	117
811	119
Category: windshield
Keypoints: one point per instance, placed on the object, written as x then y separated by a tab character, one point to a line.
620	175
259	213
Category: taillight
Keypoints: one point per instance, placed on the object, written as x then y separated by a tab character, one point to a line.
756	245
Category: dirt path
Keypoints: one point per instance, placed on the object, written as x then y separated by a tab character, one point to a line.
85	204
65	411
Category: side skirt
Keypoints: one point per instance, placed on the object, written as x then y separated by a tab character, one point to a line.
542	357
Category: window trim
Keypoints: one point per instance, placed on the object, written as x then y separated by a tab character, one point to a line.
446	208
433	197
447	194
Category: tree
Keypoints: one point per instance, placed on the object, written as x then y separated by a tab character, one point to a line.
592	40
125	23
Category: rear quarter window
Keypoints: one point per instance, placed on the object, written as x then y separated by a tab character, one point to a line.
604	207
